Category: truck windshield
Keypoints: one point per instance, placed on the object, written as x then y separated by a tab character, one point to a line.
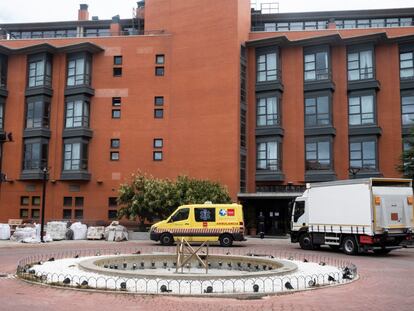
181	214
299	210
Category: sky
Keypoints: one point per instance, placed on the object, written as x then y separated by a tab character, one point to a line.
21	11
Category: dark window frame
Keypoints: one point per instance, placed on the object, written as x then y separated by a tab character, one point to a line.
23	199
360	140
116	113
117	72
24	213
116	101
158	156
159	113
79	202
269	166
321	74
36	198
70	163
318	119
32	161
113	156
159	71
156	141
115	143
3	70
71	107
84	76
277	117
270	74
37	112
370	72
404	94
159	100
67	201
317	166
360	94
406	49
40	74
159	57
118	60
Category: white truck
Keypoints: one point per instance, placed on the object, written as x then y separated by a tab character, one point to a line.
354	215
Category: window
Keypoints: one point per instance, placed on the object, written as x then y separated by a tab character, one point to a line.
266	66
299	210
361	110
114	156
267	111
360	65
180	215
158	113
77	114
37	113
67	214
117	60
269	26
39	70
116	113
35	213
318	154
117	71
78	214
317	110
158	143
1	115
24	213
79	70
268	156
205	214
24	201
157	156
3	70
96	32
159	100
75	156
407	109
316	66
67	201
78	201
35	154
112	202
36	201
407	65
160	59
363	154
116	101
159	71
112	214
115	143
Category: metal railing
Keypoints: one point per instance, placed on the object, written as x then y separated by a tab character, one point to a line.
262	285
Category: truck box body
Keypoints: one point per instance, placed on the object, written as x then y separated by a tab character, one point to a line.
374	213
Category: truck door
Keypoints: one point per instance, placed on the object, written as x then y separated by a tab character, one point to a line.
299	216
392	210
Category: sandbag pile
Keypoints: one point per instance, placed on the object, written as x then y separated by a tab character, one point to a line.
116	232
95	233
4	232
79	231
56	230
24	233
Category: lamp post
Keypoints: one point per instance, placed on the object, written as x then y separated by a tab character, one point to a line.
45	171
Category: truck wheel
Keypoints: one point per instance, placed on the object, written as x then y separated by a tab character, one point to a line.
349	246
382	251
305	241
226	240
166	239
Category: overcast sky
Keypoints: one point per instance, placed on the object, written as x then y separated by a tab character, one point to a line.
19	11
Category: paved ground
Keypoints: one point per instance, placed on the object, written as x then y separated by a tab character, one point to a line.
386	283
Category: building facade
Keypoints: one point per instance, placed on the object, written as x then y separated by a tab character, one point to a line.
260	101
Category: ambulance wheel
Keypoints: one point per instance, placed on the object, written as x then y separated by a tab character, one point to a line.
349	246
166	239
226	240
305	241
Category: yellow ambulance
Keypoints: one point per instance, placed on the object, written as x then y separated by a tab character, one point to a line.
202	222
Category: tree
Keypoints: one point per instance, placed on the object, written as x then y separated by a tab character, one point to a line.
407	157
150	198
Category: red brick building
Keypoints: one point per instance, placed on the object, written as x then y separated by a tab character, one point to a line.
260	101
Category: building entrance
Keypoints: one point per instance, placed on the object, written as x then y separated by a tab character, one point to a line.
270	215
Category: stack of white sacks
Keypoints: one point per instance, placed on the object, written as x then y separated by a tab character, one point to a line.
4	232
116	232
56	230
79	231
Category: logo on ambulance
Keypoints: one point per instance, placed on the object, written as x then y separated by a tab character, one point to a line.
230	212
222	212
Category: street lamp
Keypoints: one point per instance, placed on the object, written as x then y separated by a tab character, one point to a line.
45	172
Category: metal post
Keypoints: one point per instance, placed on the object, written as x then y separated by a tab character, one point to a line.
43	203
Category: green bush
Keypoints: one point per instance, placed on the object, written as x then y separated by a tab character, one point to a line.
149	198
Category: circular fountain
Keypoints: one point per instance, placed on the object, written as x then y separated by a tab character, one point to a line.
155	272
